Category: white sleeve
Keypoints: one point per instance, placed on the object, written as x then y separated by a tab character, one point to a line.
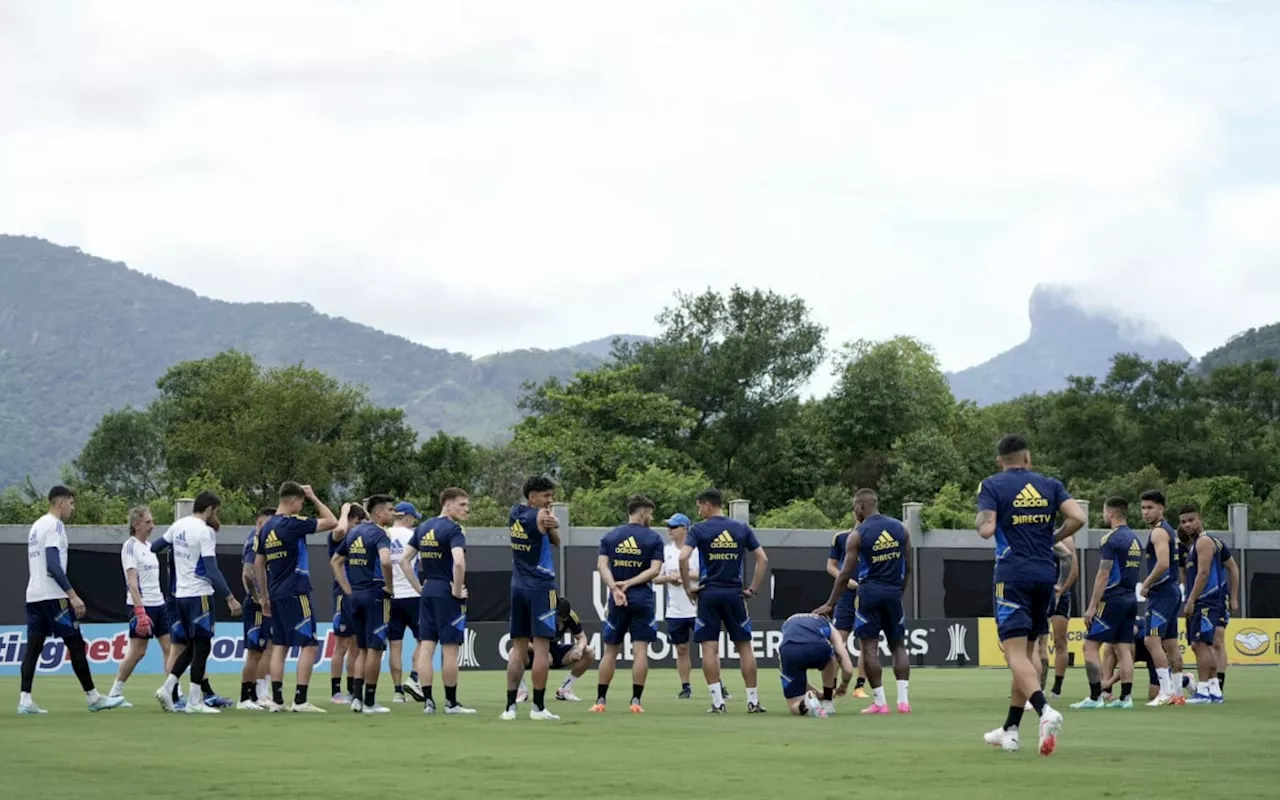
47	536
127	559
208	543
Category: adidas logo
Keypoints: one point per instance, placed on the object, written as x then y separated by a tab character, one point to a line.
628	547
358	545
724	540
430	538
1030	498
885	541
1134	549
273	540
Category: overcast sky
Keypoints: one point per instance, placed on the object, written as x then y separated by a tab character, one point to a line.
542	173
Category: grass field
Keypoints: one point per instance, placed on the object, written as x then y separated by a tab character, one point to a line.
674	751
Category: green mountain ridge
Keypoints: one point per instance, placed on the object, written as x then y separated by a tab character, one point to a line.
1254	344
81	335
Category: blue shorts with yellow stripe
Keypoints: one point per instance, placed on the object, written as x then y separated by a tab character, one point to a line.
193	619
292	621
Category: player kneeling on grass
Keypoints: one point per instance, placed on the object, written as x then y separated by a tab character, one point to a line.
809	642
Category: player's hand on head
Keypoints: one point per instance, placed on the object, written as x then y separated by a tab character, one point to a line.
823	610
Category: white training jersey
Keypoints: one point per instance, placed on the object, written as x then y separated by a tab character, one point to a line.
399	540
47	532
138	556
192	540
679	606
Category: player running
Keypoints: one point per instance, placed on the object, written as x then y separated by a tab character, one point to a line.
879	548
576	656
344	648
1017	507
842	619
680	611
437	552
810	642
1209	582
1164	600
722	544
1060	616
1113	606
254	695
362	567
283	565
629	558
535	533
405	605
53	607
148	618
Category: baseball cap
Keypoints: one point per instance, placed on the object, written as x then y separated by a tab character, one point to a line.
678	521
407	510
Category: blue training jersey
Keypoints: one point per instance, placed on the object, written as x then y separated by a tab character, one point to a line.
1121	548
631	549
284	543
533	565
882	552
806	629
434	540
1177	553
248	555
364	560
1217	588
332	549
1026	504
838	544
722	545
1170	578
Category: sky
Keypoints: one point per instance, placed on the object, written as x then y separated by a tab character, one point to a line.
486	176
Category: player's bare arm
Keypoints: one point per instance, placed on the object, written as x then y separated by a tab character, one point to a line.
1233	576
851	546
1075	520
459	586
260	572
549	525
1099	587
985	524
757	577
685	553
339	566
339	531
1160	543
618	591
325	520
388	576
1205	553
406	566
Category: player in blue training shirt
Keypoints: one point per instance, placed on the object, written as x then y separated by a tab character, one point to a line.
722	546
362	567
630	557
344	647
257	627
879	549
437	552
535	534
1017	508
1212	582
1163	594
284	567
810	642
842	618
1113	606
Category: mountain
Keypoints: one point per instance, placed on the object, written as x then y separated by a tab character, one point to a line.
1066	339
603	348
80	336
1252	345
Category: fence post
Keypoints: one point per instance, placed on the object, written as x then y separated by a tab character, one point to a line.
911	520
183	507
1238	525
1082	545
561	512
740	510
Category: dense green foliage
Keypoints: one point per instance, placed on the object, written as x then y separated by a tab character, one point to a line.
1254	344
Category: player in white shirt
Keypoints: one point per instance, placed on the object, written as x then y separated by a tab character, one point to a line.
53	607
195	565
681	611
406	604
148	617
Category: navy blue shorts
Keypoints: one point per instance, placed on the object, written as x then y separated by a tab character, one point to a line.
558	651
1062	608
1114	622
52	618
342	627
193	619
638	619
679	630
843	619
879	609
533	613
442	619
1164	604
1204	620
1022	608
370	618
292	622
795	658
404	617
257	628
722	608
159	623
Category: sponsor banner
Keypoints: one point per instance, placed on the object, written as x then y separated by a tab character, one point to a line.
1249	641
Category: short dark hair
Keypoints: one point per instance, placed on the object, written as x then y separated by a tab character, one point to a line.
538	483
1189	508
291	489
712	497
1154	496
377	500
638	502
452	493
868	495
266	511
1117	504
1010	444
205	501
60	491
357	513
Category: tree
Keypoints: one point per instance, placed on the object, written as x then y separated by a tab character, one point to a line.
920	464
796	515
487	513
952	508
444	461
606	505
382	451
125	455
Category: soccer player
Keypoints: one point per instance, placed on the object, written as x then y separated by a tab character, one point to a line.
283	565
1160	588
194	541
1209	584
842	618
577	656
534	535
1113	606
344	648
880	549
148	618
405	605
810	642
257	628
1111	666
53	607
439	548
680	611
722	545
362	567
1017	507
1068	574
630	557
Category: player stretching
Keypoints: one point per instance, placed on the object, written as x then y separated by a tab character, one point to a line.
577	657
284	567
344	647
148	618
534	535
1208	583
722	544
629	558
1160	588
842	619
362	567
405	605
439	548
1068	574
194	541
53	607
1113	606
1017	507
809	642
680	609
254	695
880	549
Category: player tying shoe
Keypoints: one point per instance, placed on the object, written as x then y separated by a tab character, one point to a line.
810	642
